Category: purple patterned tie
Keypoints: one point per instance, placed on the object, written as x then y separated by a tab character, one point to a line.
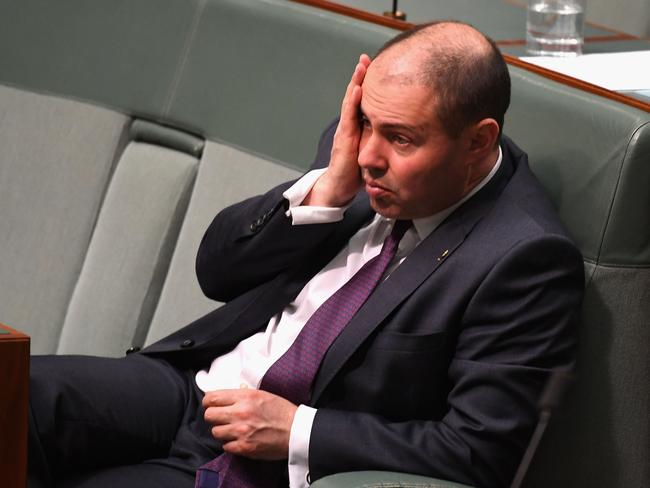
292	375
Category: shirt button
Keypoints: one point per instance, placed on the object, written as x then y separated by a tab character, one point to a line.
187	343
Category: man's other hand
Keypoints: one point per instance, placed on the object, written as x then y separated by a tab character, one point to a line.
342	180
250	423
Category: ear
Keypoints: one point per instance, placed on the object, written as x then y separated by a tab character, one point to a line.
482	144
483	138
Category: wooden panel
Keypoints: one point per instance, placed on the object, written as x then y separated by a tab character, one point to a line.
14	387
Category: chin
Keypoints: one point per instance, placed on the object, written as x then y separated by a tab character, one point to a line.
387	211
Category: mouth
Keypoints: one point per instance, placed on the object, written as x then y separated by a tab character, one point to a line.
374	189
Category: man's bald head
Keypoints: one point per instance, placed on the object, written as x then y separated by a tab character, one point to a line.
464	69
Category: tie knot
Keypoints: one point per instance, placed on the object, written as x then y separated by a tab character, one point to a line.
400	228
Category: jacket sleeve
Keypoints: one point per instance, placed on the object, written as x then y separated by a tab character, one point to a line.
252	241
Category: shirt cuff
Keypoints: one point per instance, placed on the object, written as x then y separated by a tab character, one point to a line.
308	214
299	446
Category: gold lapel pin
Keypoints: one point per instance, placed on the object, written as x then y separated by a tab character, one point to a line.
443	255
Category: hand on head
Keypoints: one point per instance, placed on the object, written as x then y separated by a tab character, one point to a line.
342	180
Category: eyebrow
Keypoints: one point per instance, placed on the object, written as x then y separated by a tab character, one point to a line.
413	129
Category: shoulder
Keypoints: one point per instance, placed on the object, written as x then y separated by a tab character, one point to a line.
525	201
523	223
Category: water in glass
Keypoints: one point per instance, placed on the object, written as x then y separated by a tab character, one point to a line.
555	28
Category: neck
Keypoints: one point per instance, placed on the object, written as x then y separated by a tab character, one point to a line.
479	171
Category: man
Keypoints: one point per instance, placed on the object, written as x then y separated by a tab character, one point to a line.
438	371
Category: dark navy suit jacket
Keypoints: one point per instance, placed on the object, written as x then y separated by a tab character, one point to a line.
440	371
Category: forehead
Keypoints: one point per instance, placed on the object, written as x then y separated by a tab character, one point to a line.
396	97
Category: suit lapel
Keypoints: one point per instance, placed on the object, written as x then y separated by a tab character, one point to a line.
416	268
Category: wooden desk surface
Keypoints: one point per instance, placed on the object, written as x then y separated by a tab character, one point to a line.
14	388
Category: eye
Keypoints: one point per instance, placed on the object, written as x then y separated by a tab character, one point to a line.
400	140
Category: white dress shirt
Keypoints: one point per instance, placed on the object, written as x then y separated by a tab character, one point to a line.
247	363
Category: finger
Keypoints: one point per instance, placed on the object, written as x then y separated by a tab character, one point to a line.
218	415
223	433
221	398
358	75
240	448
355	80
349	89
350	112
362	68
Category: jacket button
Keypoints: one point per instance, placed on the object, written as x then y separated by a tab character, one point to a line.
132	349
187	343
255	226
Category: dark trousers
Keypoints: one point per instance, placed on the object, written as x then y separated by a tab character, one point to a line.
129	422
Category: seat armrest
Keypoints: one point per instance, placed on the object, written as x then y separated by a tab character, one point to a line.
382	479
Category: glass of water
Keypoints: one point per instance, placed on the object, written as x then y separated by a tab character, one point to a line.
555	27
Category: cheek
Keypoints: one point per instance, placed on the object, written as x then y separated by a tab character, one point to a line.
420	179
427	187
424	191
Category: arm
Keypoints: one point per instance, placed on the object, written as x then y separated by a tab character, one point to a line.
251	242
518	326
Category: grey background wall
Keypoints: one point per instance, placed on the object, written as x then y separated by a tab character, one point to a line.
629	16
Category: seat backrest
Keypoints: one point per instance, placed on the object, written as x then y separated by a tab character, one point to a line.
57	157
128	255
226	176
593	157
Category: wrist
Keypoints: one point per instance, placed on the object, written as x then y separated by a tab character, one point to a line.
327	193
299	446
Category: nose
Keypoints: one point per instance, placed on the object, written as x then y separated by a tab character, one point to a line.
372	153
